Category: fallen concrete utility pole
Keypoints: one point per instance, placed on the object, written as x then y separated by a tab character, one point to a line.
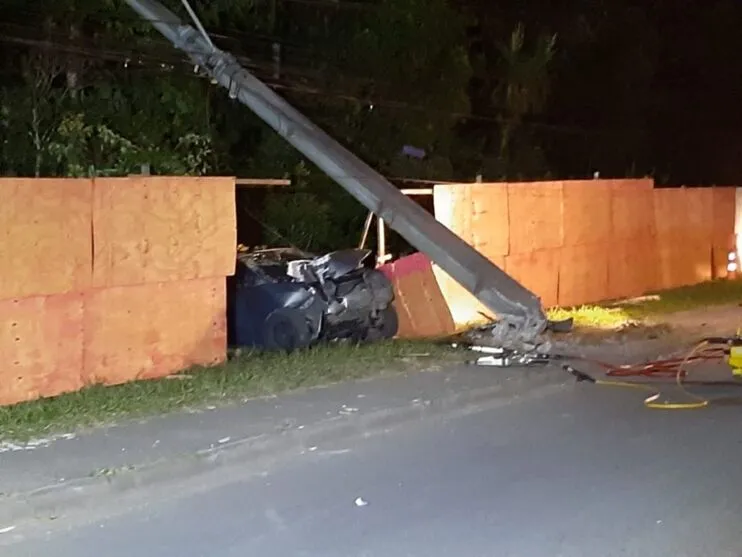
520	317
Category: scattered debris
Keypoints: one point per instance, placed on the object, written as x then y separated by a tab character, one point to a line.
224	440
361	502
7	529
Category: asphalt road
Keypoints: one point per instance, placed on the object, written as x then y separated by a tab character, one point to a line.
583	472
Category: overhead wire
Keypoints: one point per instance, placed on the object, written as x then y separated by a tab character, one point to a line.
303	72
286	84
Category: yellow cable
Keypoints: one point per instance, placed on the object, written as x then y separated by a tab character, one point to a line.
651	401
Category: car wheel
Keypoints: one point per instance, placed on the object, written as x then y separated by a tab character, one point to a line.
386	325
285	329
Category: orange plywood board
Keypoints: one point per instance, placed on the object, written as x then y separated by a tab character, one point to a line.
490	229
452	204
465	309
45	240
406	326
538	271
158	229
129	337
685	264
724	211
671	212
632	267
536	213
632	209
583	274
587	212
41	347
424	304
419	301
700	216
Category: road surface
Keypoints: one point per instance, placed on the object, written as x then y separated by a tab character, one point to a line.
585	471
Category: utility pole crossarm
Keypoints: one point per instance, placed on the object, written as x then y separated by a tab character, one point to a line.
519	312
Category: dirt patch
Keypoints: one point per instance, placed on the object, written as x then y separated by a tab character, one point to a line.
663	336
630	332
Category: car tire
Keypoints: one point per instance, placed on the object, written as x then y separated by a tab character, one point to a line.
285	329
386	326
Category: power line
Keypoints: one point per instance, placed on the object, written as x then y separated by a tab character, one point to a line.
292	52
136	60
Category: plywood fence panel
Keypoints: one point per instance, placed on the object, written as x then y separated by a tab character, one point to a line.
700	257
536	216
587	212
465	309
404	312
632	267
419	301
583	274
632	209
724	211
45	238
406	327
700	214
490	228
685	264
153	330
41	347
538	271
671	212
452	204
428	312
725	215
158	229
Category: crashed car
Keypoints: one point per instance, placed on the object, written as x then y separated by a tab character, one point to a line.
284	299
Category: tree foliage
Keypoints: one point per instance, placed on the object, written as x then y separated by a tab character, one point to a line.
506	90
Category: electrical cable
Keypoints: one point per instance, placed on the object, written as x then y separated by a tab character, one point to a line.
706	350
116	54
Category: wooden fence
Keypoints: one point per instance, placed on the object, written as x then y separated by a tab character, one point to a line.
580	242
111	280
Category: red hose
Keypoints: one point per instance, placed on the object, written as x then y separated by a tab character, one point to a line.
672	367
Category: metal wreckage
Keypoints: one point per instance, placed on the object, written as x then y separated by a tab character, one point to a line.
517	335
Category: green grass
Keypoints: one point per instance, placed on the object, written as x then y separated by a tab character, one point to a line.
653	306
245	376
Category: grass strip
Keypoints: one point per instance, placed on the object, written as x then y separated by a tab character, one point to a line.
653	306
248	375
